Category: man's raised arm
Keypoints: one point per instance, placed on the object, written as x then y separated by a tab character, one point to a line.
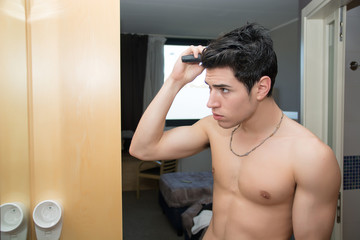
150	142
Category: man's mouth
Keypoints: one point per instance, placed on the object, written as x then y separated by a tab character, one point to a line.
217	116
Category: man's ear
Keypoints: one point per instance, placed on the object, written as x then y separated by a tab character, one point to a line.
264	86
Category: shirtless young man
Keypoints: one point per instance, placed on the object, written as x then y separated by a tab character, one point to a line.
272	177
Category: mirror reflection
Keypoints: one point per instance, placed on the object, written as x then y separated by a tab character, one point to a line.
148	26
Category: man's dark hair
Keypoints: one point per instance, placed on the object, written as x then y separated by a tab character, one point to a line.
248	51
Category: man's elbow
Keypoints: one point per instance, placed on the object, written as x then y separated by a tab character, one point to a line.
138	152
134	151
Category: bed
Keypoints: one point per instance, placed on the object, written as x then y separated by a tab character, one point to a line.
182	191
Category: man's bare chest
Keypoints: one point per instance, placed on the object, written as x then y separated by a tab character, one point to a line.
263	177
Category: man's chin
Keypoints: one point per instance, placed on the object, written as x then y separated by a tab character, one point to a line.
226	125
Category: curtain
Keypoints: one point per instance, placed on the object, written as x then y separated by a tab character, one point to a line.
133	69
154	77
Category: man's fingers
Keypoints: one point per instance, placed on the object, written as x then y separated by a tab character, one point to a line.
196	50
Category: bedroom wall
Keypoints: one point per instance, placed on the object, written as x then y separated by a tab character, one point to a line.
60	106
197	163
287	47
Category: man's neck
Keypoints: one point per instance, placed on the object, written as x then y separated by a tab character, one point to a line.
263	120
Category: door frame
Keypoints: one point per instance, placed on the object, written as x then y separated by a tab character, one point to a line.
314	114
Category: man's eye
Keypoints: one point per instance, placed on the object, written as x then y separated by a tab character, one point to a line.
225	90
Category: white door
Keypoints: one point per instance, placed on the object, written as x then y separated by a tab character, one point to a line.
322	80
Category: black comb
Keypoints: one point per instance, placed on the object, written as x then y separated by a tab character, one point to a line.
191	59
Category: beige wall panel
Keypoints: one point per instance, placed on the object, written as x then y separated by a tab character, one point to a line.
14	149
75	59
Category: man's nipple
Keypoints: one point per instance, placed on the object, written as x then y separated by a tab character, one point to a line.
265	194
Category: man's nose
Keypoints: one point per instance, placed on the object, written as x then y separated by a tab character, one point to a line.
213	102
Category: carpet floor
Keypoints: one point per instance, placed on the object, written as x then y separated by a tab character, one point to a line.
143	218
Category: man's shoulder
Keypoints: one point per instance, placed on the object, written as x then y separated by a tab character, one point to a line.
306	147
213	130
300	136
306	141
208	123
311	155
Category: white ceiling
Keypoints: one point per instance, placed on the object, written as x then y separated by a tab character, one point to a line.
202	18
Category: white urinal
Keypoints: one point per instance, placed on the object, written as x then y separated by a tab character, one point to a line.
47	216
13	221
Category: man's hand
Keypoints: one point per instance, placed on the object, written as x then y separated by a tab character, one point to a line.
187	72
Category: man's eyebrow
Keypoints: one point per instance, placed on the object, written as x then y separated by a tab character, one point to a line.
219	85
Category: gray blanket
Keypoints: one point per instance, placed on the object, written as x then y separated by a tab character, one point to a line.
181	189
